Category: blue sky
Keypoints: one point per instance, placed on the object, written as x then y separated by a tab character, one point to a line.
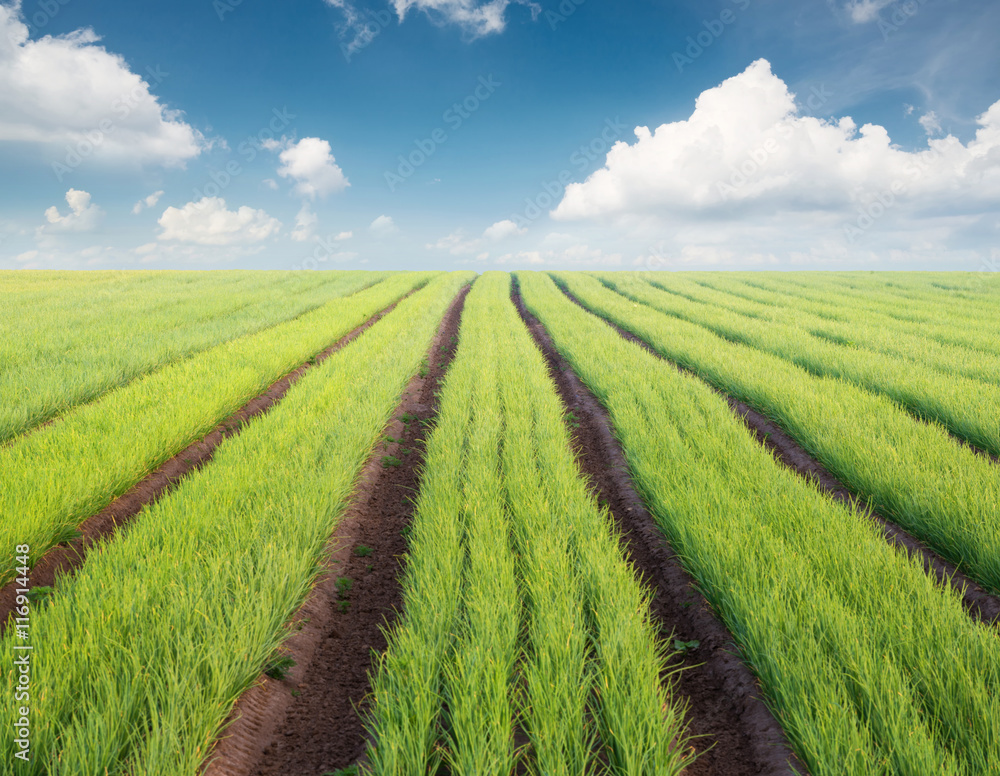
465	134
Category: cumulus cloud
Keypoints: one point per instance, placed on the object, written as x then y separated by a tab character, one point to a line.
747	144
476	18
309	163
305	223
82	215
501	230
862	11
383	226
931	123
146	202
575	256
209	222
458	244
75	98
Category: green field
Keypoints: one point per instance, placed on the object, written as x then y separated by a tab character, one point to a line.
528	635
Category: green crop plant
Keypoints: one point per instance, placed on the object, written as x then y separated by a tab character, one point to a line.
968	408
74	339
871	666
900	338
912	472
514	569
99	451
161	631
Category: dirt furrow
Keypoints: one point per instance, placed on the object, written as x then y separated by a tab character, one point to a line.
736	733
981	605
67	558
311	721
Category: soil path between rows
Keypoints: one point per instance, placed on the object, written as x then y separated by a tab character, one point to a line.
980	604
736	734
67	558
312	721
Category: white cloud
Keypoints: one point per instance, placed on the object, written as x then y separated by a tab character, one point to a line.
82	215
458	244
149	201
931	123
271	183
305	222
746	144
208	222
309	163
862	11
501	230
344	236
573	257
476	18
383	226
68	91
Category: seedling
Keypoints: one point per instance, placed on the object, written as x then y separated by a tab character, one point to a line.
345	605
572	419
390	460
40	593
350	770
363	551
406	451
686	646
405	533
278	667
425	367
344	585
408	418
296	693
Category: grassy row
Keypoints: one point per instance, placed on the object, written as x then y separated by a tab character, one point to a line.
933	321
139	657
968	408
501	491
902	340
951	297
65	345
912	472
870	666
99	451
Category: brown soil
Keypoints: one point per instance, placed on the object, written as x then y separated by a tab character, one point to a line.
67	558
980	604
311	722
736	734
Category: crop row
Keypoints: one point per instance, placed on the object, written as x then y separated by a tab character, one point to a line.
61	348
870	666
520	611
911	472
902	339
141	655
97	452
968	408
932	319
